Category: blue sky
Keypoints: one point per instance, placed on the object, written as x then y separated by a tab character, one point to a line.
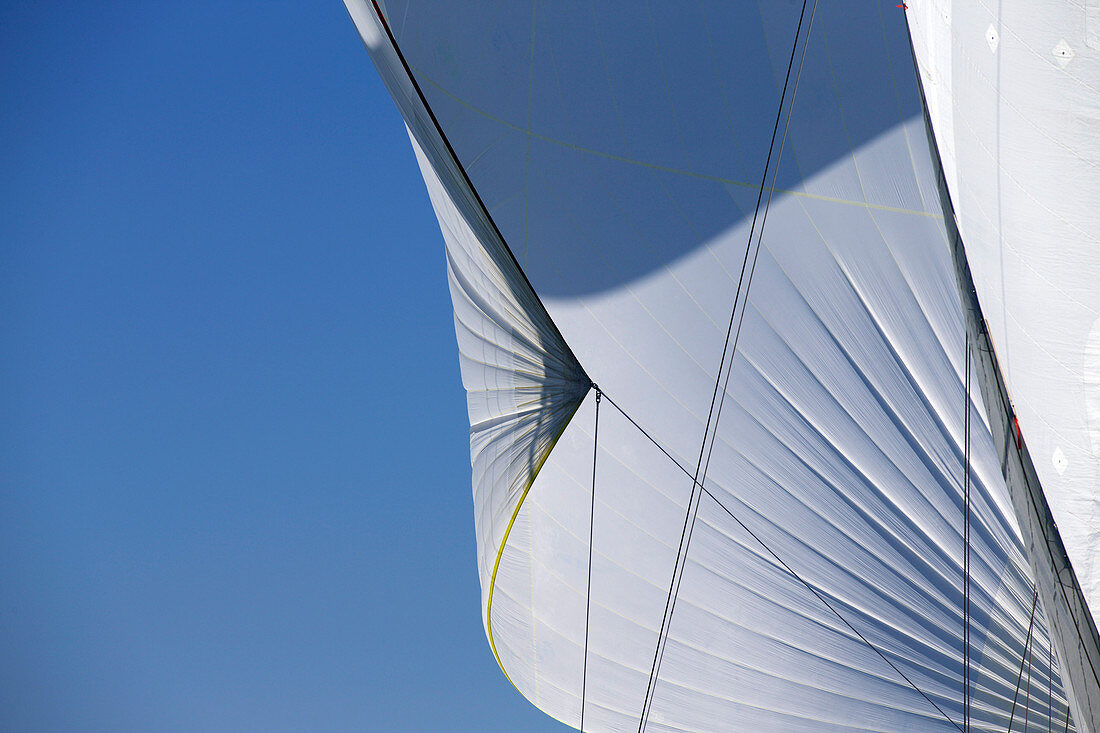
234	483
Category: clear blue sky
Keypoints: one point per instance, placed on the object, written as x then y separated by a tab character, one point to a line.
234	473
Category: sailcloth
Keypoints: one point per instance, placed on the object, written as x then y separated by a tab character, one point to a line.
1013	98
601	173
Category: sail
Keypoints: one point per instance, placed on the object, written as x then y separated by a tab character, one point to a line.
1020	162
609	160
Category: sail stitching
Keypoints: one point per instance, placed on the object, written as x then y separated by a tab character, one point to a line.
655	166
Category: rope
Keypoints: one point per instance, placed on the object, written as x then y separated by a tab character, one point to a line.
591	528
1026	657
1027	695
697	481
783	564
966	538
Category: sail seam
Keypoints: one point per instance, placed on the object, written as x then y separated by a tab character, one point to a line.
664	168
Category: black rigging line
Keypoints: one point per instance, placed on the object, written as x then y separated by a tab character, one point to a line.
1027	694
591	528
1025	658
966	537
696	481
783	564
1066	729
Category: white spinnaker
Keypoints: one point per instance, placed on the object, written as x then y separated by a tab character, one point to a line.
840	446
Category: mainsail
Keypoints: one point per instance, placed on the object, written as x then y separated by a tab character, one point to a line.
731	217
1016	120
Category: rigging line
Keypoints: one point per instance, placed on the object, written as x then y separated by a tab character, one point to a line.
966	536
693	499
703	489
591	531
1027	645
1027	694
1066	729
